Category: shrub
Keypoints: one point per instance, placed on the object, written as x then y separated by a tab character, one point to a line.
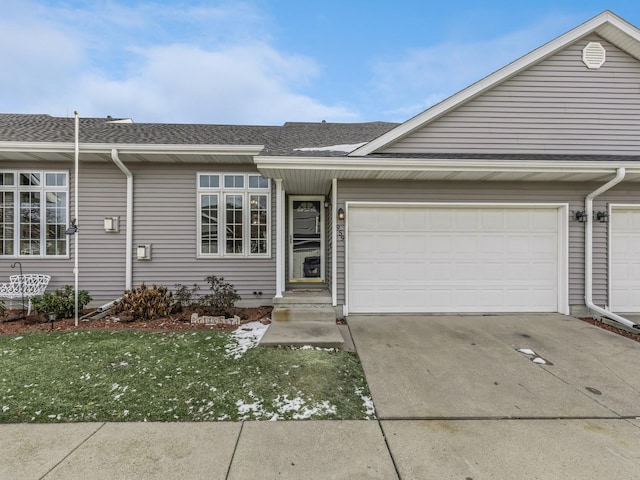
222	298
144	303
62	302
184	296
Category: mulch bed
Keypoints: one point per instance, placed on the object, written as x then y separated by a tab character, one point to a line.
611	328
11	324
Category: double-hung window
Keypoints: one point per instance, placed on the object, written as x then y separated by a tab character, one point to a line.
233	215
33	213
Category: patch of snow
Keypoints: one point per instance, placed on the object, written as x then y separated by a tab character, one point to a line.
526	351
367	402
539	360
244	338
347	148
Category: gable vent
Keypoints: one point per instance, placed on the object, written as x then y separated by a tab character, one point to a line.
593	55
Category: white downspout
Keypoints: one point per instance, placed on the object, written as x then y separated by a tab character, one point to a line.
334	243
129	231
588	252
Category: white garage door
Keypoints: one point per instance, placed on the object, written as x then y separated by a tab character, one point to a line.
625	259
453	259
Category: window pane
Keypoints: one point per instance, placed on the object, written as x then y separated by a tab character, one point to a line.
30	179
234	181
55	179
30	223
259	227
209	181
233	226
209	223
257	181
6	179
6	223
56	218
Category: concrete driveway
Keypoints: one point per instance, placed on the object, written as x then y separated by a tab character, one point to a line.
469	396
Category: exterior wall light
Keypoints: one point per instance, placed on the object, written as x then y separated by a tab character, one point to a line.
340	214
73	228
581	216
602	217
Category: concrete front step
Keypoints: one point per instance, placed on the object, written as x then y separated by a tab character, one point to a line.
288	314
301	333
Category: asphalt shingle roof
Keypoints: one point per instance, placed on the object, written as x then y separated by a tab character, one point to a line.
278	140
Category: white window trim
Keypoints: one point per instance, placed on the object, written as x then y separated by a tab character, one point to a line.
16	188
222	193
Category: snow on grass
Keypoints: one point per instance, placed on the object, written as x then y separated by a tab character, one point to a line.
245	337
367	402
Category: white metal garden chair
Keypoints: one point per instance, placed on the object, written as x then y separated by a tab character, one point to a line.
24	286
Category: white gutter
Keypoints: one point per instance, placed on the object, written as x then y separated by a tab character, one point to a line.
588	252
129	234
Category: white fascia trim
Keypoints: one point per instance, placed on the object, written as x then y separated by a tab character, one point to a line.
563	237
497	77
125	148
448	165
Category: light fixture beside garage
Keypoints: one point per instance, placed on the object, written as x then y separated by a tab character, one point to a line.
602	217
340	214
580	216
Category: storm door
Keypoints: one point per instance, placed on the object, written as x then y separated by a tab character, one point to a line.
306	239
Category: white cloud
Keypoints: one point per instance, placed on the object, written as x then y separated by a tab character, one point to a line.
153	62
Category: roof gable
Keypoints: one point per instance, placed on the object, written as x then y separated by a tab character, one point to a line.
607	25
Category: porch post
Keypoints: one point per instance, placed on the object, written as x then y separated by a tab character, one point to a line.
280	246
334	242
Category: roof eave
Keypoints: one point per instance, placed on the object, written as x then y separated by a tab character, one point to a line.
140	149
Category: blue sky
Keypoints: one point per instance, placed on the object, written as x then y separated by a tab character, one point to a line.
265	61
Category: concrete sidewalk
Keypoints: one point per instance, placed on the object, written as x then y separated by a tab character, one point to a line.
392	449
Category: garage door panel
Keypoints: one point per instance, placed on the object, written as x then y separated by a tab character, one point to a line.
453	260
625	259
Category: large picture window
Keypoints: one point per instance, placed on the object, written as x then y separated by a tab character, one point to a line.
233	215
33	213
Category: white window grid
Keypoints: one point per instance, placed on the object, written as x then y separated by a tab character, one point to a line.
254	187
50	186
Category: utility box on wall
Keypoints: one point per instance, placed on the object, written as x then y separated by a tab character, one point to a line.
111	224
143	252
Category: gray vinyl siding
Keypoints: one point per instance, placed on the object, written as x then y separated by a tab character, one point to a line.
557	106
101	266
165	215
572	194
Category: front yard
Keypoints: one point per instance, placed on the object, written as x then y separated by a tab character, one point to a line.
202	375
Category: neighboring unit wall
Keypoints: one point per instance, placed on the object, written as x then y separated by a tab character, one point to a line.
558	106
497	192
101	263
165	216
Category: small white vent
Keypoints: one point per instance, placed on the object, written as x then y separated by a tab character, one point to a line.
593	55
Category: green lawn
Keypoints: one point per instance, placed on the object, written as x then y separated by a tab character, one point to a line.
173	376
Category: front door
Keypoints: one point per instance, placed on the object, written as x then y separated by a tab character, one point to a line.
306	239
